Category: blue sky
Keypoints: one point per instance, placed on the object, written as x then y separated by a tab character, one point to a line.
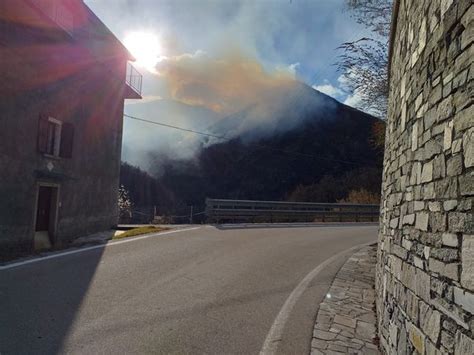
303	34
213	53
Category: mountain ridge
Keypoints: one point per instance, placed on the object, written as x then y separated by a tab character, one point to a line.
322	138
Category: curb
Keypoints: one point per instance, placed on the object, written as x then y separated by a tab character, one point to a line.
346	319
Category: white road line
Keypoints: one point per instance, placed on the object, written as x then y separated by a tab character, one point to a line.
275	335
81	250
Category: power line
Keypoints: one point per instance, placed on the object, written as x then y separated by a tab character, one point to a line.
289	152
174	127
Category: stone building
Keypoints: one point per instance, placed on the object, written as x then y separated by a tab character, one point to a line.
425	271
63	80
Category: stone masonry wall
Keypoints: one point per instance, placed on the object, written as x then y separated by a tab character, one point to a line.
425	259
78	79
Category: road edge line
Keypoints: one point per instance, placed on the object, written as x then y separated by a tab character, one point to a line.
84	249
274	336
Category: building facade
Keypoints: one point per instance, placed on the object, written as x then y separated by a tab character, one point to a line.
63	81
425	270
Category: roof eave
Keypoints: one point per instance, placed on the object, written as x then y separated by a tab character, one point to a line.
393	30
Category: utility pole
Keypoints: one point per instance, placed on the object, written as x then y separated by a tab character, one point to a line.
191	215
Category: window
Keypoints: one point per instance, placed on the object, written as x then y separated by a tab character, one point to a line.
55	138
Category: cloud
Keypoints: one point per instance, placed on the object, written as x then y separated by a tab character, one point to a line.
353	100
292	68
329	89
342	92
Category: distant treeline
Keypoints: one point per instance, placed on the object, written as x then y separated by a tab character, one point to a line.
145	191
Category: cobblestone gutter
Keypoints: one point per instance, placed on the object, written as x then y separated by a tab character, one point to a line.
425	266
345	323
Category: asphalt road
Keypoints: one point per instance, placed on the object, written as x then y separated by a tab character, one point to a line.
207	290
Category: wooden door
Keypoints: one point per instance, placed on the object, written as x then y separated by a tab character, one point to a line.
43	213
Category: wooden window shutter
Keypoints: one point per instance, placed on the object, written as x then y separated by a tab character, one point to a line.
67	140
43	134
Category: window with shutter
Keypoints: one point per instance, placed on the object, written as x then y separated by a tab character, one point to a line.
67	139
49	136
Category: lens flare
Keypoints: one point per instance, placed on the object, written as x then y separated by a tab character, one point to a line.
145	47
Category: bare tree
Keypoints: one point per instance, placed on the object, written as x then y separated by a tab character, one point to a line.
373	14
364	62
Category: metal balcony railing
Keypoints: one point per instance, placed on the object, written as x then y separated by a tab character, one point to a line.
134	81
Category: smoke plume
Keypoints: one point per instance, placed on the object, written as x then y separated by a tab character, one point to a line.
225	85
230	95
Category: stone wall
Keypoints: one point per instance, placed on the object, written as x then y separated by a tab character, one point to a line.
425	259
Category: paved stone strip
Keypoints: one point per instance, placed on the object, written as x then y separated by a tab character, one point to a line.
345	323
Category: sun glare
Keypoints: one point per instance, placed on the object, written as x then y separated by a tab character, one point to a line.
145	47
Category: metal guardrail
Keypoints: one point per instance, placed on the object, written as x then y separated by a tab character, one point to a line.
273	211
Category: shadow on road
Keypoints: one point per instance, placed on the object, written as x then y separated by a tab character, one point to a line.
40	301
290	225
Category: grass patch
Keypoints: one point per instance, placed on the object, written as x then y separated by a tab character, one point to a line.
138	231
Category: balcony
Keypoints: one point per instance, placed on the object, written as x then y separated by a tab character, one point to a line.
133	83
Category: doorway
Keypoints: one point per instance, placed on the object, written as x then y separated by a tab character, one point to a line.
46	211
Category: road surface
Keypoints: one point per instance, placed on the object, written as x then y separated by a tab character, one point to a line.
214	290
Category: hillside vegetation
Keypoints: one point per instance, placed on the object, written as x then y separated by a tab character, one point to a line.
329	156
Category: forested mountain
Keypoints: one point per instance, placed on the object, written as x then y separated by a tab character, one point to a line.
325	155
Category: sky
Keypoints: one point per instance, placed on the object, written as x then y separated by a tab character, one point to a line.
210	58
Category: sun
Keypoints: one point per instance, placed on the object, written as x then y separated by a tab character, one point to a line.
145	47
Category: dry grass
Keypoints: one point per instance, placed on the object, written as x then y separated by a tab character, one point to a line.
138	231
